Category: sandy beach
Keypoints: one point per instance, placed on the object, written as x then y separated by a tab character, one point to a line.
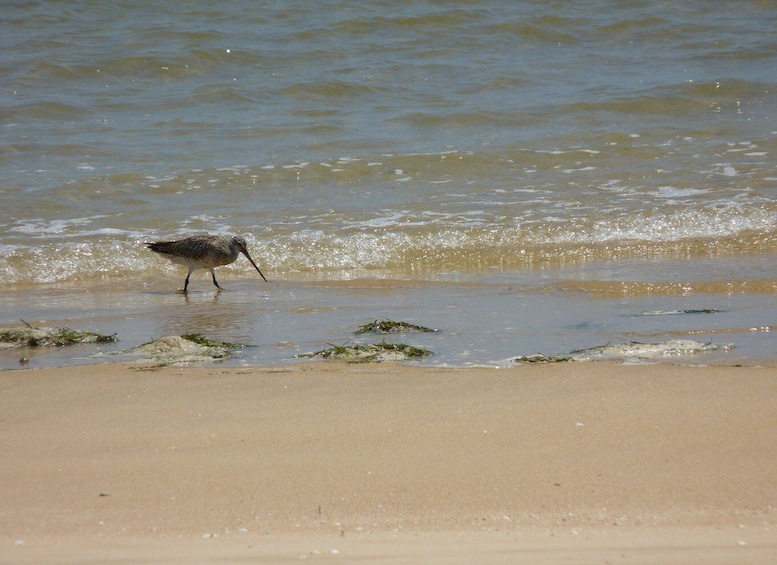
572	463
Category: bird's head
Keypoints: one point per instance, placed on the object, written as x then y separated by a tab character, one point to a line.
240	244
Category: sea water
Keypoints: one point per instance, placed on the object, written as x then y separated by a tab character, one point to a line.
523	176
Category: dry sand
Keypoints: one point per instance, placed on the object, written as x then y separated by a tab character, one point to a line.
324	462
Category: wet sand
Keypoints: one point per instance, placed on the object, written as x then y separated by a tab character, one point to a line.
573	463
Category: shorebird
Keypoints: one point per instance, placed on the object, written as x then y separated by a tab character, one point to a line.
203	252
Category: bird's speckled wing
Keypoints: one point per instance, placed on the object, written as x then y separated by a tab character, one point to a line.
195	249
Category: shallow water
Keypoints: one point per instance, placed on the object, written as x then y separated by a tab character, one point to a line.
518	173
481	320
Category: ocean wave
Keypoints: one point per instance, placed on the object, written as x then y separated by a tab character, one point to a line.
401	243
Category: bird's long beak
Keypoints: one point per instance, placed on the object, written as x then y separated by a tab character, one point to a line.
254	264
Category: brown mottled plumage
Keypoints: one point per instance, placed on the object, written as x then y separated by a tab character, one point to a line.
203	252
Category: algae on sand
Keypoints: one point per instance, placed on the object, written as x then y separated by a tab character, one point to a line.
540	359
183	349
638	350
200	339
375	352
390	326
31	336
679	312
631	351
370	352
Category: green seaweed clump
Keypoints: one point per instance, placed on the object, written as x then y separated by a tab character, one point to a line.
370	352
181	350
540	358
50	337
200	339
390	326
675	312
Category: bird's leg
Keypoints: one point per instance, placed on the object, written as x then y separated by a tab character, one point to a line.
186	282
213	272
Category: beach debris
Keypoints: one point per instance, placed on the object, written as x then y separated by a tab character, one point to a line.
631	351
369	352
390	327
540	358
183	349
678	312
31	336
207	342
638	350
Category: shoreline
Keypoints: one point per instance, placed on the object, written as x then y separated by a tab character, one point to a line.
388	461
479	323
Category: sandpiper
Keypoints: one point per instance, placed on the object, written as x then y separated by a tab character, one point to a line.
203	252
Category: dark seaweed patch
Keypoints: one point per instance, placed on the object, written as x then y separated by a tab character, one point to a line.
200	339
369	352
31	336
539	358
390	326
